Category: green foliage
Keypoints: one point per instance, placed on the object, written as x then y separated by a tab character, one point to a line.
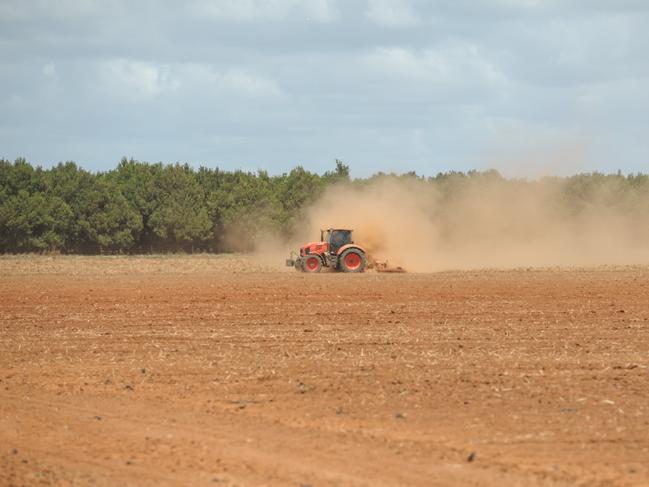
240	206
33	222
180	217
141	207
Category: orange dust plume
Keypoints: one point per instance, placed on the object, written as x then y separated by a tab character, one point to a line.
485	222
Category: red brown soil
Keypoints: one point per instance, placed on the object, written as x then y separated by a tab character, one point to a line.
179	371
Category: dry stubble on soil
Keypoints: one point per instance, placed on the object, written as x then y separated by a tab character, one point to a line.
218	371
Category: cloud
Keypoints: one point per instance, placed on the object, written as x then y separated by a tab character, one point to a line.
391	13
456	64
136	80
204	79
247	84
385	85
141	81
267	10
19	10
49	70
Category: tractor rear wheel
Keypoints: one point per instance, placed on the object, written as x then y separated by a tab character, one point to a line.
352	260
312	263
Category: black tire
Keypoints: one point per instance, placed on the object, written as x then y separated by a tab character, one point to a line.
352	260
312	264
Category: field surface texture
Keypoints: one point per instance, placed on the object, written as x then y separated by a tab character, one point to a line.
209	370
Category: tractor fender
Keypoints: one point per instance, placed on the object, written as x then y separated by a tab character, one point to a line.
349	246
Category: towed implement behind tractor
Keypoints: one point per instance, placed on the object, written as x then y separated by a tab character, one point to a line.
336	250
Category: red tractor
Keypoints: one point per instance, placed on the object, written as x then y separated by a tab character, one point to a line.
336	250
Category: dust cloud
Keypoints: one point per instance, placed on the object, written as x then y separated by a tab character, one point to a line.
485	223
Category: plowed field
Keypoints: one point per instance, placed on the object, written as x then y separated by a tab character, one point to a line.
219	371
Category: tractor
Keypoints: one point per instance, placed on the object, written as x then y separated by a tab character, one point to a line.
335	250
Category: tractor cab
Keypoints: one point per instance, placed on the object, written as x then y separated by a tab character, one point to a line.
336	238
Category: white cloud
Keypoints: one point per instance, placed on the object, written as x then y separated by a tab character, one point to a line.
458	72
247	84
203	79
520	4
322	10
391	13
136	80
21	10
256	10
460	63
49	70
12	101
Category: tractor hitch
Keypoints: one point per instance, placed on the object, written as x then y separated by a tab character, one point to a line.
293	259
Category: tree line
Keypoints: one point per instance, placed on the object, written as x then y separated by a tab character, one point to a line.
142	208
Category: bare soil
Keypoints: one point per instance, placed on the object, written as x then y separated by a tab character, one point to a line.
221	371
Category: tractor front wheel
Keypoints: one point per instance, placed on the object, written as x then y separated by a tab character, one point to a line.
312	263
352	260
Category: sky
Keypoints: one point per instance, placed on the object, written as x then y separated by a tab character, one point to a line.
528	87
